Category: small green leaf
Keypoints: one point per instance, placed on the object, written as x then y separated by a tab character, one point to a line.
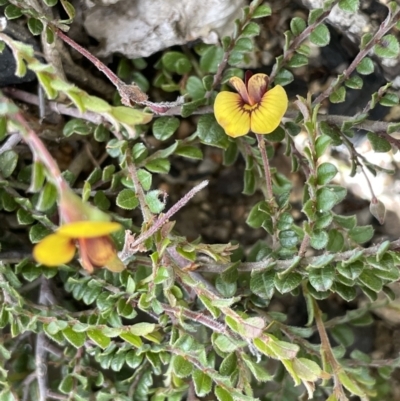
389	100
211	133
347	293
320	36
331	131
306	369
297	25
319	239
202	383
380	145
96	104
130	116
3	127
347	222
370	280
366	66
326	199
161	166
77	126
8	163
37	233
101	201
262	11
393	127
259	373
222	394
284	77
176	62
98	338
181	367
35	26
47	197
195	88
152	199
262	284
361	234
127	199
325	173
251	29
321	144
355	82
165	127
298	60
288	238
143	328
335	241
322	279
388	47
12	12
77	339
67	384
190	152
350	6
132	339
211	58
244	45
288	282
338	96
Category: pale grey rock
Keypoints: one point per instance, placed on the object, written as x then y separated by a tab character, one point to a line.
139	28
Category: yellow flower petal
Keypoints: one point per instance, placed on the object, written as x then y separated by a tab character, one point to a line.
256	87
273	105
88	229
54	250
231	115
240	87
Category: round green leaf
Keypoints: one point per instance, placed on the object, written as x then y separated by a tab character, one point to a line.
182	367
366	66
176	62
335	241
388	47
325	173
35	26
284	77
338	96
379	144
287	283
8	163
319	239
262	284
297	25
165	127
320	36
322	279
361	234
262	11
350	6
127	199
211	133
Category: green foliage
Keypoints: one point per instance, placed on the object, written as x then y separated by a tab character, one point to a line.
185	316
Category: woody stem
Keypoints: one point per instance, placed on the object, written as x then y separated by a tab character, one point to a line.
267	172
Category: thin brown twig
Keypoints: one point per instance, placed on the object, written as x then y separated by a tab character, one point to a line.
57	107
281	265
386	26
131	247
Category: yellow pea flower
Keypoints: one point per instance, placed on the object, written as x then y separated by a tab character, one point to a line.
253	108
95	246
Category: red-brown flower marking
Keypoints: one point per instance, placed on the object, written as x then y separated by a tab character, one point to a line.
254	108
